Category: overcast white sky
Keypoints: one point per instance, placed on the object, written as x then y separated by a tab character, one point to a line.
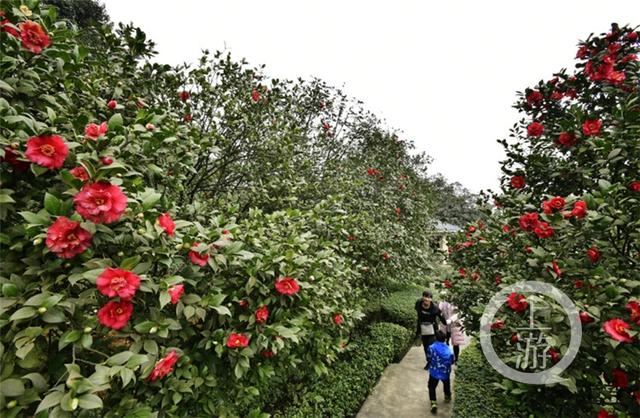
443	72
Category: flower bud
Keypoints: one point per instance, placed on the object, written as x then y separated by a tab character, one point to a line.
153	330
12	404
87	330
120	253
74	404
141	231
150	127
42	310
37	241
15	145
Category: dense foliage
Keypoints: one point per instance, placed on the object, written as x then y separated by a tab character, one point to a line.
182	241
346	387
569	215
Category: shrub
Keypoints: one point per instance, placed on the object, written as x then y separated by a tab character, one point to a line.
569	215
342	391
476	396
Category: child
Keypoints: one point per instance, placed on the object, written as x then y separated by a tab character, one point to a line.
457	334
440	360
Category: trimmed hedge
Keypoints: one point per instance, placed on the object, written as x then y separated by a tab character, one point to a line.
342	391
399	307
476	396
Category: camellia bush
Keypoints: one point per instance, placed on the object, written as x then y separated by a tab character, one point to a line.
184	241
569	215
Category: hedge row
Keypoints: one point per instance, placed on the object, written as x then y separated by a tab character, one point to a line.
476	396
342	391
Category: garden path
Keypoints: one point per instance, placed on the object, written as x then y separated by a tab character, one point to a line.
401	391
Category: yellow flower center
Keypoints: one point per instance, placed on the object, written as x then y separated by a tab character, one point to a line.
47	150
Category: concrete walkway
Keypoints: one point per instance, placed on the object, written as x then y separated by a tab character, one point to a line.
402	391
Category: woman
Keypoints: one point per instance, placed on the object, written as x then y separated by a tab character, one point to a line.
427	314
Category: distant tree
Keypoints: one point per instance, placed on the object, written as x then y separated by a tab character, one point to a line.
84	13
454	203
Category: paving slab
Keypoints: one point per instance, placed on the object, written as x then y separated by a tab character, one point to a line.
402	391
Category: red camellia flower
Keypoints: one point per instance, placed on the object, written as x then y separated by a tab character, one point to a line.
475	276
287	286
514	338
337	319
237	340
351	238
517	182
115	315
578	284
66	238
112	104
80	173
4	24
462	272
594	254
556	95
634	311
591	127
517	302
579	209
100	202
447	283
150	127
47	150
632	36
553	205
535	129
176	293
33	36
164	366
262	314
12	158
499	324
620	379
585	318
106	160
543	230
629	58
255	95
528	221
184	95
118	282
198	258
604	414
534	98
555	356
267	353
243	303
187	117
635	186
386	256
167	223
398	212
556	268
583	52
616	328
506	229
372	172
566	139
498	279
93	131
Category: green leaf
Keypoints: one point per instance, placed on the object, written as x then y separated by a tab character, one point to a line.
222	310
12	387
5	86
34	219
52	204
115	122
68	338
614	153
136	360
89	401
164	299
130	263
149	198
50	401
23	313
120	358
